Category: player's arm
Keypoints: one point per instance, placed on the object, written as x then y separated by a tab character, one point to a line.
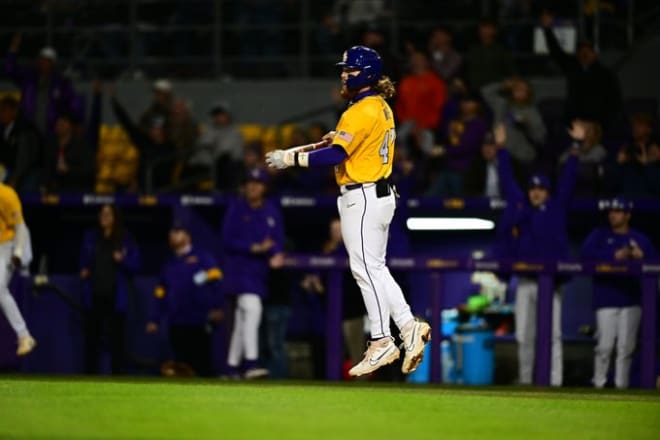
327	155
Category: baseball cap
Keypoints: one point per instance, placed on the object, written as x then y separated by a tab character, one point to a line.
258	175
48	53
620	204
539	181
162	85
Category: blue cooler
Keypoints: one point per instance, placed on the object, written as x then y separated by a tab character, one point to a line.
474	354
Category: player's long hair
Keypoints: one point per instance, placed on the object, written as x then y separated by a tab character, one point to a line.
385	87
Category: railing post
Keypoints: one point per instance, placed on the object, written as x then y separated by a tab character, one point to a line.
333	326
436	324
544	313
648	335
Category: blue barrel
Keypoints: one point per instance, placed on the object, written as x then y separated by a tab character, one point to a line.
474	354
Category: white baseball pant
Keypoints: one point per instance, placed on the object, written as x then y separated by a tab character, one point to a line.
365	220
620	325
525	309
244	343
7	302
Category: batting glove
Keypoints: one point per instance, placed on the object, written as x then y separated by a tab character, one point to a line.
280	159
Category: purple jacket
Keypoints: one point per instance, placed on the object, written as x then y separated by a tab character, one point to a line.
614	291
189	288
460	155
246	272
125	269
62	98
531	233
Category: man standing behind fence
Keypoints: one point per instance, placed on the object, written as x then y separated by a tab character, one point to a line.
533	228
616	299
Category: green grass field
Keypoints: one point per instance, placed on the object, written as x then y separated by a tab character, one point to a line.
69	408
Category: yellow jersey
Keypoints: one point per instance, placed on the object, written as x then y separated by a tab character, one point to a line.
366	132
11	213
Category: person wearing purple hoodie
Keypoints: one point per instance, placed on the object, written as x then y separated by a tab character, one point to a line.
463	139
617	299
45	92
532	227
253	240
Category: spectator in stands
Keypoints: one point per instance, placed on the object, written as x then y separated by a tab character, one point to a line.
68	161
189	295
20	146
461	145
45	93
481	177
253	239
593	90
616	299
221	145
374	37
632	174
488	61
157	152
109	258
184	131
591	156
421	96
512	104
533	228
328	36
445	60
160	107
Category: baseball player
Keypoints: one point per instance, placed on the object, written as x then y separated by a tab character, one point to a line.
533	227
253	238
616	299
362	150
15	252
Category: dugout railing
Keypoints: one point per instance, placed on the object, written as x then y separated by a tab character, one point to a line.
437	266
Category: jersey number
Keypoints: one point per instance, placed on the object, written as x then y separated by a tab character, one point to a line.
388	141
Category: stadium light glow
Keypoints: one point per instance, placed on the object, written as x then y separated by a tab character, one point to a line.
449	224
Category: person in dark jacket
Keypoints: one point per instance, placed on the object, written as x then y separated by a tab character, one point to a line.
253	239
616	299
20	146
45	93
190	296
68	160
108	259
593	90
532	228
157	151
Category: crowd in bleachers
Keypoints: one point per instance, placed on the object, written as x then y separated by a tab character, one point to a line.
446	105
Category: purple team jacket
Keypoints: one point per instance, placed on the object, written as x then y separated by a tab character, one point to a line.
614	291
243	226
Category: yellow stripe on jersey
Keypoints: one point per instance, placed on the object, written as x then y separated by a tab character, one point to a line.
366	131
11	213
213	274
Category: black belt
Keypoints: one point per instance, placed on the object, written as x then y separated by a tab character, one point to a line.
353	186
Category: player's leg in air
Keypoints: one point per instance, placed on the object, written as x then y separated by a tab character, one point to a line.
365	220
